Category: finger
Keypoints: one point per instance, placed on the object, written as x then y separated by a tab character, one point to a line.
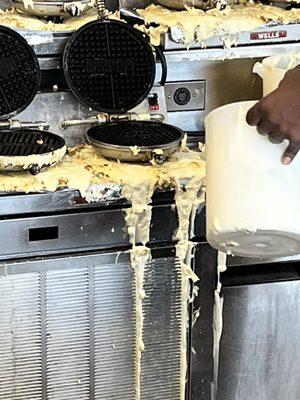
254	115
264	127
290	153
276	138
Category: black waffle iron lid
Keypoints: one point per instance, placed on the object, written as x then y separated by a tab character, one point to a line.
19	73
109	66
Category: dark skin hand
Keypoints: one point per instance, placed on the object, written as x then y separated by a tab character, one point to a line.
278	114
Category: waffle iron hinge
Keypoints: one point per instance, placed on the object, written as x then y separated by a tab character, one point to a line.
103	118
18	125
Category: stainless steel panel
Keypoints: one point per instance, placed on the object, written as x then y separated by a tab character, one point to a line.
20	337
82	321
181	4
132	4
68	328
162	329
57	107
50	63
239	52
114	332
226	81
236	261
260	347
71	232
259	37
55	48
194	89
13	204
86	230
54	108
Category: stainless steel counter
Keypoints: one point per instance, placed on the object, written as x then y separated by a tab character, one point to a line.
260	347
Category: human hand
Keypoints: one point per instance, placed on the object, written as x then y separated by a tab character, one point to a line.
278	114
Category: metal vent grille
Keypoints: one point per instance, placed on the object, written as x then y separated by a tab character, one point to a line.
135	133
67	316
20	337
162	313
67	330
114	332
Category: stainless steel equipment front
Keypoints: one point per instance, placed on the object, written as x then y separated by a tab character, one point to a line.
66	301
260	348
216	75
68	328
84	229
67	306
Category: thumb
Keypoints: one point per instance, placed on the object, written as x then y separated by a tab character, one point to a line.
290	153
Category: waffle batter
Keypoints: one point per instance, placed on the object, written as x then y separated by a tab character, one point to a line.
201	25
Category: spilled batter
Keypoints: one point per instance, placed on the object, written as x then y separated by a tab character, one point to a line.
195	24
184	172
199	25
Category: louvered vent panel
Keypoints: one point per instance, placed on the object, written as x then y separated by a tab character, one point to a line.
20	337
114	332
67	313
77	325
162	311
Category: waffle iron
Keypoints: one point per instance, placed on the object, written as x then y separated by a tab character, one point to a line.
19	83
110	67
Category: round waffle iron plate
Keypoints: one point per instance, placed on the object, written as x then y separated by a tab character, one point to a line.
148	137
19	83
110	67
17	146
19	73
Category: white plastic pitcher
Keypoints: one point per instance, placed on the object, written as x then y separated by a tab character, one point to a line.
273	69
253	200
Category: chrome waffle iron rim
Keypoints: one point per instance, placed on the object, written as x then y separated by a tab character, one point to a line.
145	153
41	162
23	153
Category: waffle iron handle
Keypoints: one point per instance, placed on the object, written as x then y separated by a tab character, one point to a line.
160	55
13	124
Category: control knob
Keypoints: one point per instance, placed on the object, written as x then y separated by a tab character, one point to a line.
182	96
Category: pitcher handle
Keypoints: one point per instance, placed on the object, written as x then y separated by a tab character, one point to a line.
258	69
